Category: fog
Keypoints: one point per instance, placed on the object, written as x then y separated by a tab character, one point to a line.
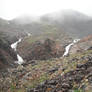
10	9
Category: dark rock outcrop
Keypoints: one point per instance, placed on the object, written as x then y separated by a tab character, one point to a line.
43	50
7	55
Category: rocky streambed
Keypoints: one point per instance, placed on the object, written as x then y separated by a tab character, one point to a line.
14	46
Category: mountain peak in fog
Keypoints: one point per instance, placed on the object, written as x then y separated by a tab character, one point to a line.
25	19
65	15
60	16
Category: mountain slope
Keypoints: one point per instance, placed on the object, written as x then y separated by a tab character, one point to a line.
72	73
7	55
73	22
70	22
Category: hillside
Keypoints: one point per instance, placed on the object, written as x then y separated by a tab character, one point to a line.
73	23
7	55
83	45
72	73
32	46
41	43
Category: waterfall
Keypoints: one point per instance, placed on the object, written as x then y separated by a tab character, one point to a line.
69	46
14	46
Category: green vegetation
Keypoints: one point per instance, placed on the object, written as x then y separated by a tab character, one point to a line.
78	90
38	72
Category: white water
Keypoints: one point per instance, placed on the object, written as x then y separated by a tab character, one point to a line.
28	34
69	46
14	46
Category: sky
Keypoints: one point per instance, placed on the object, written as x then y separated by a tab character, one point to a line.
10	9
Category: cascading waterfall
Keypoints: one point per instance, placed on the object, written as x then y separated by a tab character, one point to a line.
20	59
69	46
14	46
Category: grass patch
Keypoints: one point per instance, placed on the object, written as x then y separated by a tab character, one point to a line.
78	90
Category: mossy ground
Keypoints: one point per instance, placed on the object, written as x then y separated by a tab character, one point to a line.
41	71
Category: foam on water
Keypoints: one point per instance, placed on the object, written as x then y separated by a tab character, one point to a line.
14	46
69	46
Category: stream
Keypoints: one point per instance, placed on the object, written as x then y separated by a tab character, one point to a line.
67	48
20	59
14	47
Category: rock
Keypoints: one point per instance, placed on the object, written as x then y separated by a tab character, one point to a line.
66	86
65	83
32	62
78	78
52	82
80	65
53	70
84	44
7	55
43	50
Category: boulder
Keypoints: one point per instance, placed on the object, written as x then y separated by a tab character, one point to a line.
43	50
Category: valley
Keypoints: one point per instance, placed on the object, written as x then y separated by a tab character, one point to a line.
50	54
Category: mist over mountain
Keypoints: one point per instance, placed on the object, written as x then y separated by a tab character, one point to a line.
71	22
25	19
63	15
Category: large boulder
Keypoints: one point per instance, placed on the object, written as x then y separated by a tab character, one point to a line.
43	50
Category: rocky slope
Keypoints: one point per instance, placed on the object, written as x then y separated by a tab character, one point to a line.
72	22
68	74
84	44
7	55
77	79
35	47
64	74
41	50
15	30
